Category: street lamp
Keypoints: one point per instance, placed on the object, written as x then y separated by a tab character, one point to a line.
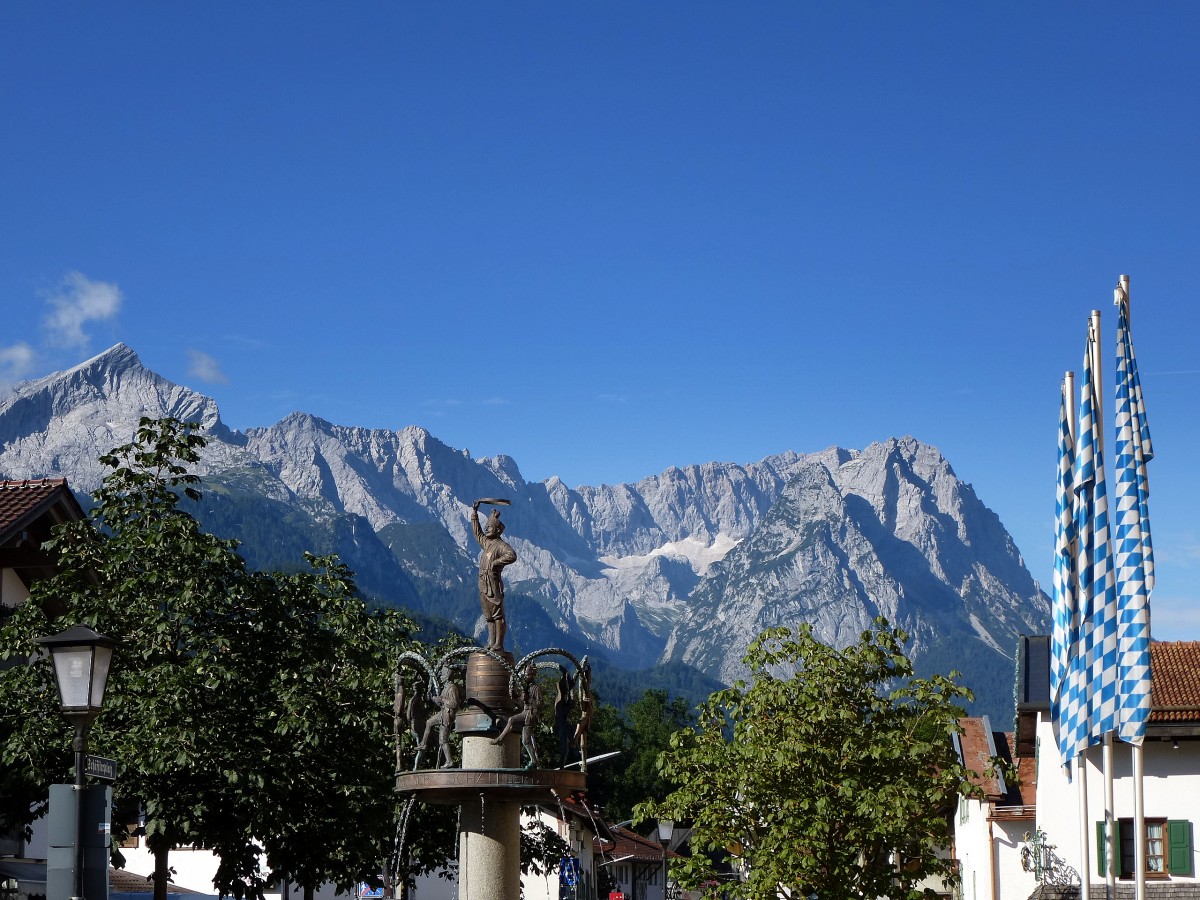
81	660
666	830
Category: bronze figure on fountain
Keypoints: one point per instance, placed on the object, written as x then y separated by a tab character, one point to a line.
497	553
527	718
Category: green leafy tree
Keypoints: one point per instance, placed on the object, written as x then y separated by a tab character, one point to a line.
328	758
180	602
249	712
831	773
642	732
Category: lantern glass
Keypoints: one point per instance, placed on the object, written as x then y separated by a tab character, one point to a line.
73	670
666	829
82	659
100	667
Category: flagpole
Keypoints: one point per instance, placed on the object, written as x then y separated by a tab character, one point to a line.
1121	292
1110	874
1106	756
1079	766
1085	854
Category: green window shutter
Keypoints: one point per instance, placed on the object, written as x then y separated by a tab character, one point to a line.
1117	849
1179	847
1101	849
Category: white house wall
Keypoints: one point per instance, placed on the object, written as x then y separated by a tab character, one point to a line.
12	590
1010	838
971	849
1171	786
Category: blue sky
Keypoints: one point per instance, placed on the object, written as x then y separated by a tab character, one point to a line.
610	238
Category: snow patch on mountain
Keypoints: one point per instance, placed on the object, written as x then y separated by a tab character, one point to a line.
698	553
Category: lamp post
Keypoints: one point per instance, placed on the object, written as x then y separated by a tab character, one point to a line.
666	830
81	660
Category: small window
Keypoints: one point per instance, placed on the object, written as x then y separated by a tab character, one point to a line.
1155	847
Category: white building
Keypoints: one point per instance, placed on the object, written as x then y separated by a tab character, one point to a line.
639	867
990	831
1171	779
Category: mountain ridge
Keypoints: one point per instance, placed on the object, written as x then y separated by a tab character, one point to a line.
685	565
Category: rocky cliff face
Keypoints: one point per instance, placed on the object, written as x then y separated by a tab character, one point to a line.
52	426
889	531
686	565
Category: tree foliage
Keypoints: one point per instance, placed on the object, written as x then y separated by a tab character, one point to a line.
640	733
249	712
830	773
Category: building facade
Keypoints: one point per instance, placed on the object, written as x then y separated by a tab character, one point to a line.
1171	780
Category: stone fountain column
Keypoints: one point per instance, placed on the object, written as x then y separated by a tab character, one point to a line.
489	831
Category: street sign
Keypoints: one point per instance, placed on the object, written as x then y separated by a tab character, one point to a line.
366	892
99	767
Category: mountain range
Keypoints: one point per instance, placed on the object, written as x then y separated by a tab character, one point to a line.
681	568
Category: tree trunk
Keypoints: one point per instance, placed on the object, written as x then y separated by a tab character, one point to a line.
160	848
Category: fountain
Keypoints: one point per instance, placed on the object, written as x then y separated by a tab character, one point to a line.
496	711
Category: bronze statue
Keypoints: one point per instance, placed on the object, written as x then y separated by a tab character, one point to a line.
586	702
526	719
448	703
562	712
417	712
397	714
497	553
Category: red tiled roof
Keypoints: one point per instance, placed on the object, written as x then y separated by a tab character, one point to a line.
631	844
1175	681
23	501
122	882
1025	793
977	752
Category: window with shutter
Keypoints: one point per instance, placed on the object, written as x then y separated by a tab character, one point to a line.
1168	848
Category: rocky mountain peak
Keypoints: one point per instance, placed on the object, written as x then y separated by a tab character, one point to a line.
53	426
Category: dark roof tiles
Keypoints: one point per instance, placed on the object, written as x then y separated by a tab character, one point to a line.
21	501
1175	681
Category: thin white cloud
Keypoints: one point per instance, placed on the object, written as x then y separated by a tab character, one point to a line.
1182	549
205	368
16	362
78	301
244	342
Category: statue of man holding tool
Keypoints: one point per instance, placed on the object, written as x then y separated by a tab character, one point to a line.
497	553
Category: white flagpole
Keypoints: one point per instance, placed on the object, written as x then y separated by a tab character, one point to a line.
1107	750
1085	855
1079	768
1121	292
1110	874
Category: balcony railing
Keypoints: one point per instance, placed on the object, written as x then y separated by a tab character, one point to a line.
1014	812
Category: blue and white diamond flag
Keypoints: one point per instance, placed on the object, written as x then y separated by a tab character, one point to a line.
1067	714
1134	554
1097	588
